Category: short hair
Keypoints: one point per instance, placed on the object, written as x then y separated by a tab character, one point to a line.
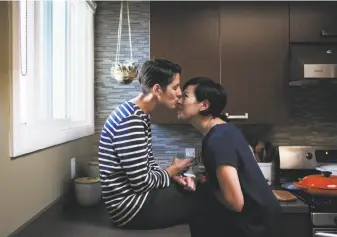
157	71
214	93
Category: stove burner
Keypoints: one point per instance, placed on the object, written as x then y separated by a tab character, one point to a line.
317	203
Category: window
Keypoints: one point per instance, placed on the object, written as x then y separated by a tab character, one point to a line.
53	73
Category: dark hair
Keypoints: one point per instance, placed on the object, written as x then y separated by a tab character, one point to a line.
214	93
158	71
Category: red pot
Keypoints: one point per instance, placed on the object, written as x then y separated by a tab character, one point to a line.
319	184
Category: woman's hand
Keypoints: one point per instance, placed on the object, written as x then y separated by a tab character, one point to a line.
178	166
182	164
187	182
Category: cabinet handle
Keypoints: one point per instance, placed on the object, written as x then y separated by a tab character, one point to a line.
245	116
325	234
325	33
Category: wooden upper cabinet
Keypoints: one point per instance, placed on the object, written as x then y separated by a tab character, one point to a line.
254	59
242	46
313	21
186	33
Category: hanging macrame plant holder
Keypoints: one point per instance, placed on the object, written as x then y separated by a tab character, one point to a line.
125	72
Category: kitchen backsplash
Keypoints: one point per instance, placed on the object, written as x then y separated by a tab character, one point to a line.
313	111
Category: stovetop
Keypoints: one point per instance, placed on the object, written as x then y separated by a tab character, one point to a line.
323	204
296	162
317	204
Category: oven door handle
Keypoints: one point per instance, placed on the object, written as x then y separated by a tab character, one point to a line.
323	234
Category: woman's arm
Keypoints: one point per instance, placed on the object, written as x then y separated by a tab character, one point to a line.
222	152
230	187
131	146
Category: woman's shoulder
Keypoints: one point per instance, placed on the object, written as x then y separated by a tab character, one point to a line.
223	130
224	133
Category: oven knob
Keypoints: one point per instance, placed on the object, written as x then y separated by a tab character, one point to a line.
309	156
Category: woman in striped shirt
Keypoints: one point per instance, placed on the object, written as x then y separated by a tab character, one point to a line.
138	193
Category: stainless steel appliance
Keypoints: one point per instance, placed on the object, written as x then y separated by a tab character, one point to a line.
296	162
313	63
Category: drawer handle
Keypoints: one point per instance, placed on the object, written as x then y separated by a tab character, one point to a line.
245	116
325	33
325	234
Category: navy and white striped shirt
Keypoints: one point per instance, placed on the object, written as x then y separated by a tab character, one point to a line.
128	170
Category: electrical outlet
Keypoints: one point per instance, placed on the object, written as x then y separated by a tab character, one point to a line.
73	167
190	152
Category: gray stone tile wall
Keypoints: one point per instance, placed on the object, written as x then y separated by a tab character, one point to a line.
313	111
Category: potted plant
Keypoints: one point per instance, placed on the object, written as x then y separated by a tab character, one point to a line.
126	72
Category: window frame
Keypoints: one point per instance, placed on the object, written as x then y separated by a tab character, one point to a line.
31	134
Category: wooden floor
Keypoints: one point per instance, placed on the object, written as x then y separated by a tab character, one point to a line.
73	221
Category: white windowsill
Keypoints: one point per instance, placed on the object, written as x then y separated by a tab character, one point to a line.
31	138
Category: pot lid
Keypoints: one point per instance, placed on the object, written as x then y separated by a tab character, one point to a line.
93	162
330	167
322	181
87	180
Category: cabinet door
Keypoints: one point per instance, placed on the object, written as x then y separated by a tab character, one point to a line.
297	225
308	20
188	34
254	50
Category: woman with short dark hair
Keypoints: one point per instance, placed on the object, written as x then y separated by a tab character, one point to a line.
244	202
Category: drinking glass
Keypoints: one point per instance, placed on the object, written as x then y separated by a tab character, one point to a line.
188	171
